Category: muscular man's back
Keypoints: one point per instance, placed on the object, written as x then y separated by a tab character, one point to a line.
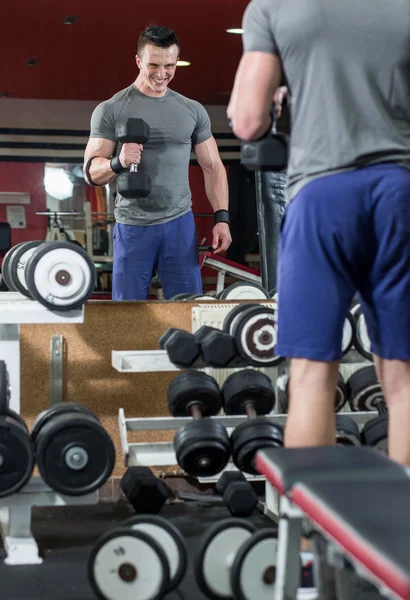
348	68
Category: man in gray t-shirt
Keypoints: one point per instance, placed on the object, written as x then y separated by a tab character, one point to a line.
347	226
157	231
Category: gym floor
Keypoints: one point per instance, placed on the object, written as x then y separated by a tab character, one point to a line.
66	535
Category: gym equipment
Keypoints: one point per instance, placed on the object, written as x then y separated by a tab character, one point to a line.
6	267
244	291
342	493
254	330
18	263
250	392
347	431
271	153
145	492
182	347
218	349
234	313
349	328
16	454
361	337
202	446
179	297
376	432
237	493
130	564
60	275
170	540
4	388
217	553
133	183
253	572
364	389
340	395
74	453
5	237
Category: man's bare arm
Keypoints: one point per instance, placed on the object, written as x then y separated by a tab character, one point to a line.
99	169
258	76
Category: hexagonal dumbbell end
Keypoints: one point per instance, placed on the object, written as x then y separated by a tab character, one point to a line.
237	493
182	348
145	492
218	348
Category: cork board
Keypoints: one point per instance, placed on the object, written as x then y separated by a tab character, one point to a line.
89	378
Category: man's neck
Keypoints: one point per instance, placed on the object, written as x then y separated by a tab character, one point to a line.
146	90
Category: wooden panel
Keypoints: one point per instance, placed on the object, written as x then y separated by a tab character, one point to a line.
89	378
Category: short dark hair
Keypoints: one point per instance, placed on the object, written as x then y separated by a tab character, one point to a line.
163	37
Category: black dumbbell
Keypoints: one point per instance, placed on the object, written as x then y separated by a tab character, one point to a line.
251	393
218	348
74	453
364	389
202	446
4	388
347	431
145	492
16	453
376	432
237	493
270	153
182	347
134	183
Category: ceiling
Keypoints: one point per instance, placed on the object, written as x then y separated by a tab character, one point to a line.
94	58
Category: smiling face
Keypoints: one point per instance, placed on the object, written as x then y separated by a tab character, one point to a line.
157	68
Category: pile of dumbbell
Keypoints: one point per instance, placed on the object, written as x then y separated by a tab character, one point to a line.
241	290
248	337
146	558
59	275
73	452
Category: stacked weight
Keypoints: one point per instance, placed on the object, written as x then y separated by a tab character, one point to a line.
59	275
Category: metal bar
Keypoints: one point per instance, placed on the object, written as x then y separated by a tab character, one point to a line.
56	369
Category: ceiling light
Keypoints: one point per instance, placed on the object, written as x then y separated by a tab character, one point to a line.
183	63
70	20
239	31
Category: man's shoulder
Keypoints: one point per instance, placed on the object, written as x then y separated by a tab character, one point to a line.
188	102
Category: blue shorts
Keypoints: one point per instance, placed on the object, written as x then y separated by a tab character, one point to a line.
344	234
170	248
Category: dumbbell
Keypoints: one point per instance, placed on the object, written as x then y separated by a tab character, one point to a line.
270	153
16	453
237	493
133	183
244	290
145	492
251	393
361	337
74	453
376	432
5	388
201	446
143	559
236	561
347	431
364	389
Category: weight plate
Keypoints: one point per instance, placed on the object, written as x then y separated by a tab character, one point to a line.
193	387
341	394
376	432
251	436
244	291
248	386
255	334
60	275
58	409
253	572
364	389
179	297
348	333
361	338
4	388
128	564
5	267
18	418
75	455
19	264
201	298
347	431
16	456
217	554
202	448
170	540
233	315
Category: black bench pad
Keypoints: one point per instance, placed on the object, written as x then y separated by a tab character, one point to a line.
283	467
370	521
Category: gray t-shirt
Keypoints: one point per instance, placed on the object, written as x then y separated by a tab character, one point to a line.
177	125
347	64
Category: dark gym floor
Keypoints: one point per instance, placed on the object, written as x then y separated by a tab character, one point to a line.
66	534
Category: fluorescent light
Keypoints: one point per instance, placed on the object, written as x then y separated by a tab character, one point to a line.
183	63
239	31
57	183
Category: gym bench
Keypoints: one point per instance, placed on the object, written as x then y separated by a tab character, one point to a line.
356	499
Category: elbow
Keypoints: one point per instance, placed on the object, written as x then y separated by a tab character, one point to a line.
248	130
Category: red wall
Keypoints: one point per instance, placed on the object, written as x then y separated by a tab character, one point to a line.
27	178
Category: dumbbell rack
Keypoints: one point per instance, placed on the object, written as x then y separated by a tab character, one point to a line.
15	511
162	453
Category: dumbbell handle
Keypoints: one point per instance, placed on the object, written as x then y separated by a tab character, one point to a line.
133	168
250	410
196	412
